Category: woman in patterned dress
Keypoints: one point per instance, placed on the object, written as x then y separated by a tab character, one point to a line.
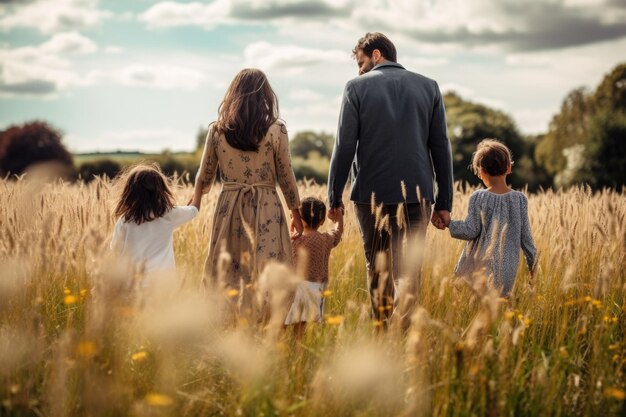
251	147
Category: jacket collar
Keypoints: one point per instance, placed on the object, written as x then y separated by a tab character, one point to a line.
388	64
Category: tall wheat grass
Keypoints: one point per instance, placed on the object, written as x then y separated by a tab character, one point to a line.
75	341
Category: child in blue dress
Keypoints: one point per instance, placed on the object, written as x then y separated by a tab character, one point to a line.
497	225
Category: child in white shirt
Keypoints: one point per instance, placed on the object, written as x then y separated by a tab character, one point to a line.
147	218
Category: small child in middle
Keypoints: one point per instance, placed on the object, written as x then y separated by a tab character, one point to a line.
311	253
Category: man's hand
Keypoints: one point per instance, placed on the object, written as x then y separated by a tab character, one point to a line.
335	213
440	219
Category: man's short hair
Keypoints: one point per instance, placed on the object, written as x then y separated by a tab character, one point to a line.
376	40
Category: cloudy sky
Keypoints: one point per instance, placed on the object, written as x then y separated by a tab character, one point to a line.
145	75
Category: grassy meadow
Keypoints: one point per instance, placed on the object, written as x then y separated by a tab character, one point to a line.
76	341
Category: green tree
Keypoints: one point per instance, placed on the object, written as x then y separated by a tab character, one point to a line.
606	150
586	142
611	93
303	143
567	128
22	146
469	123
100	167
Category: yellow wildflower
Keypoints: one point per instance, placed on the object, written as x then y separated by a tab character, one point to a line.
509	315
327	293
616	393
334	320
83	293
67	291
70	299
232	292
139	356
86	348
159	400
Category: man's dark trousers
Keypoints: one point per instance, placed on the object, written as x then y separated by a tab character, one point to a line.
383	231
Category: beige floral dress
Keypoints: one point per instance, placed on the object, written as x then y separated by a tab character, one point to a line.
249	222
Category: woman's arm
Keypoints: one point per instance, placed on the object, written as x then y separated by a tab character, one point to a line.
296	227
207	170
287	180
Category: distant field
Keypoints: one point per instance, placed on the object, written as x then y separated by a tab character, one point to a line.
122	158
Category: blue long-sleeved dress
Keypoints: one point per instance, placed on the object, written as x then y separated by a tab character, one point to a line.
496	228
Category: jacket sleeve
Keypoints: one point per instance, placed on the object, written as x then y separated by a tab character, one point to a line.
345	147
441	154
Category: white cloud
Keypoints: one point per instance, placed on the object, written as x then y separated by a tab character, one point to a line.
113	50
69	42
278	10
480	24
535	120
509	25
51	16
172	14
461	90
220	12
43	70
414	64
304	94
318	115
290	59
162	77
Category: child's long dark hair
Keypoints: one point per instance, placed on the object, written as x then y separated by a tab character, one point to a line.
145	195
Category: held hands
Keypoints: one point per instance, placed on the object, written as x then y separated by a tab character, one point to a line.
334	214
296	224
195	200
440	219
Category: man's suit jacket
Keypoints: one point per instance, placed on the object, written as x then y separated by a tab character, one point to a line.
394	122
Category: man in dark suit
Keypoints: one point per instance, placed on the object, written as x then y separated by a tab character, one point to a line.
392	127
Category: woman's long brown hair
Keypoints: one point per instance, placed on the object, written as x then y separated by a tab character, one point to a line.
249	108
145	195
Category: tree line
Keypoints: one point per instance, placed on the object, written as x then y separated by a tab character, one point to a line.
585	143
